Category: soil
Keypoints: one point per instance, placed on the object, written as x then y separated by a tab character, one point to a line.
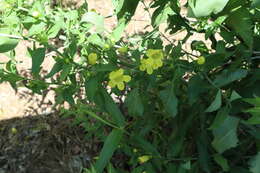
43	144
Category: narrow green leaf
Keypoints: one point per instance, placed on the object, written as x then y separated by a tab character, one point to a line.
253	101
204	156
37	56
216	104
55	69
225	136
170	101
255	164
112	109
108	149
134	103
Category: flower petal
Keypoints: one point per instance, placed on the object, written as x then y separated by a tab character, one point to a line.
127	78
120	86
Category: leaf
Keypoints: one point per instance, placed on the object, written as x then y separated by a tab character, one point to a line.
112	108
127	10
108	149
118	31
37	29
95	19
216	104
254	164
6	43
66	69
253	101
96	40
91	87
202	8
227	77
225	136
255	4
240	21
134	103
55	69
37	56
160	15
234	96
204	157
221	161
221	116
170	101
118	4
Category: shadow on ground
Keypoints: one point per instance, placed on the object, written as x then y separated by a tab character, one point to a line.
43	144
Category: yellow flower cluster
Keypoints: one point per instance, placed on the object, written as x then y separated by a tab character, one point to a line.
153	62
117	78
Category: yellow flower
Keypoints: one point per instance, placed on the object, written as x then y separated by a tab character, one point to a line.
92	58
201	60
144	159
147	65
122	50
154	53
117	78
153	62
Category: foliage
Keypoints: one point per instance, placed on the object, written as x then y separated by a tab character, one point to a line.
156	106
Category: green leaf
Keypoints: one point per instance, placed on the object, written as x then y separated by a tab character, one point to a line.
234	96
204	156
37	56
253	101
7	43
202	8
216	104
55	69
66	69
112	108
240	21
118	4
225	136
221	116
227	77
127	10
37	29
95	19
91	87
118	31
108	149
160	15
256	4
221	161
134	103
254	164
96	40
170	101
